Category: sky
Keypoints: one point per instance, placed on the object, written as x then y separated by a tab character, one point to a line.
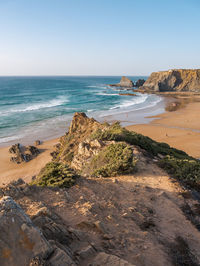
98	37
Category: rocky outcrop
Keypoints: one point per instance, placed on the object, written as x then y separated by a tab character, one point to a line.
20	240
124	83
179	80
22	243
128	84
139	83
23	154
81	122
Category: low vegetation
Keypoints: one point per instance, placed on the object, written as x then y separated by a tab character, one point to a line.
118	133
176	162
55	175
115	159
187	170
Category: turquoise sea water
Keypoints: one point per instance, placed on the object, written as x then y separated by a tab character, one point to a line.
38	107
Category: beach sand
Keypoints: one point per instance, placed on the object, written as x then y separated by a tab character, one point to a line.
180	129
10	171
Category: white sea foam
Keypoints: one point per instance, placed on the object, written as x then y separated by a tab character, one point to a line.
106	94
127	103
99	87
7	139
36	106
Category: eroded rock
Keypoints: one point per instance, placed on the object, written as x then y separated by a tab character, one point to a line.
20	240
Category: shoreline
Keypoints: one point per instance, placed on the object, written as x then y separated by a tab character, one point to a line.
126	115
178	128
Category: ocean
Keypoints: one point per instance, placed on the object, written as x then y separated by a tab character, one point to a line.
42	107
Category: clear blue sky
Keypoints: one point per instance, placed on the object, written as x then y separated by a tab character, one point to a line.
98	37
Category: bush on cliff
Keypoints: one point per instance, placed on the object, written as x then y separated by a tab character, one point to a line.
176	162
187	170
55	175
118	133
115	159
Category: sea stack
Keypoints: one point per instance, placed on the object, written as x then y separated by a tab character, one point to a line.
178	80
126	82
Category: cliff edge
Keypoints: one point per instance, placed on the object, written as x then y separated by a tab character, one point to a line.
178	80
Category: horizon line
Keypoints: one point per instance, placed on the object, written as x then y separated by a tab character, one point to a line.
77	75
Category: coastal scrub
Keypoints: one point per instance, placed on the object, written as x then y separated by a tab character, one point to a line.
113	160
55	175
176	162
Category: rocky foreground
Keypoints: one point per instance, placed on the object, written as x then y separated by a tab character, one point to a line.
109	197
175	80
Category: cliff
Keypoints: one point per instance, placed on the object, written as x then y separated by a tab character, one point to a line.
179	80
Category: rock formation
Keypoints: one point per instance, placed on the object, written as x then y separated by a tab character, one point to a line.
124	83
25	240
22	154
139	83
179	80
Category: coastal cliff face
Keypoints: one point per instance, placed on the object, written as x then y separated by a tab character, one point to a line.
179	80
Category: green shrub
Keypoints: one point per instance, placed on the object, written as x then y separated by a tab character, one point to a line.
187	170
113	160
176	162
118	133
55	175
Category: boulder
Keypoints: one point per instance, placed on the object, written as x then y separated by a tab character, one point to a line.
23	154
178	80
32	150
15	149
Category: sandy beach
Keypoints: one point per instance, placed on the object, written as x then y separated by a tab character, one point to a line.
11	171
180	129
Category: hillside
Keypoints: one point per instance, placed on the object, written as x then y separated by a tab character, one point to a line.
179	80
105	199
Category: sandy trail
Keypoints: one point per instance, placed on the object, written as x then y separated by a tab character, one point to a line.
139	218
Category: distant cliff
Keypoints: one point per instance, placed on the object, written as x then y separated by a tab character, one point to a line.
174	80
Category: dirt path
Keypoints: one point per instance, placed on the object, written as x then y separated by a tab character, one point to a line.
143	219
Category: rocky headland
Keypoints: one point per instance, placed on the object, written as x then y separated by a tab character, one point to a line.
175	80
108	197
